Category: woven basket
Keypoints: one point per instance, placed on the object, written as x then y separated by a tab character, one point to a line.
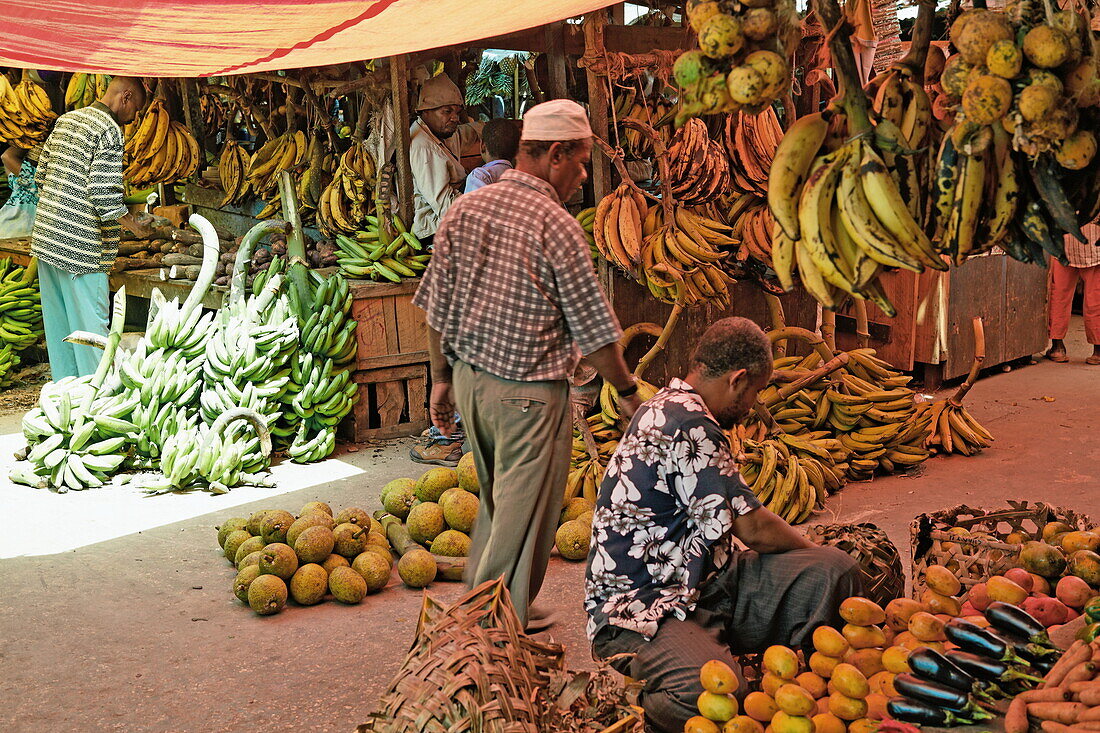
471	669
878	557
975	559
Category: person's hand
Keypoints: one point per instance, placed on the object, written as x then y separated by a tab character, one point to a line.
441	407
630	405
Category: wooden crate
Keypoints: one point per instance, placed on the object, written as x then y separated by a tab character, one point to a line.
393	403
391	331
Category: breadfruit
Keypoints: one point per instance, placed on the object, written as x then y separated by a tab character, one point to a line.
434	482
467	474
252	558
587	518
308	584
350	539
334	561
230	525
1004	59
397	484
244	578
233	542
425	522
374	568
721	36
267	595
461	511
317	519
576	506
252	544
382	552
399	500
417	568
572	539
451	543
346	585
688	70
275	525
314	545
315	506
980	33
377	538
278	559
987	99
1047	47
255	520
353	515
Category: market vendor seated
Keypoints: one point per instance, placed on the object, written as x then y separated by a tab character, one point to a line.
666	585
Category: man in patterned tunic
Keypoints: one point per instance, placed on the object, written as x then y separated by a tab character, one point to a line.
666	587
77	224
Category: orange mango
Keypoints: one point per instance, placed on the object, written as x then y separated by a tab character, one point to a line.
864	637
926	627
828	723
742	724
849	681
795	701
783	723
896	659
942	581
718	677
860	611
847	708
898	612
760	706
781	661
939	603
822	665
867	661
829	641
812	683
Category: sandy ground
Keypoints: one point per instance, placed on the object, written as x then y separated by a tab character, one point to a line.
117	613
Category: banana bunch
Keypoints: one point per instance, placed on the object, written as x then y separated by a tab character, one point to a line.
681	258
344	205
162	376
906	125
214	457
376	254
587	219
840	218
180	327
286	152
83	89
699	167
311	181
20	305
155	424
628	106
232	167
954	430
751	142
752	224
584	479
793	475
617	227
159	149
610	411
25	113
308	448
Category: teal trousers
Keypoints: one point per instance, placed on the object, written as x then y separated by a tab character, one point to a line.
72	303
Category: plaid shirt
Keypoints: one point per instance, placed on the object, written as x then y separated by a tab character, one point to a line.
510	285
1087	254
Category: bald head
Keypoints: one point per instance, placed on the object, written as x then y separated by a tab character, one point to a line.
125	96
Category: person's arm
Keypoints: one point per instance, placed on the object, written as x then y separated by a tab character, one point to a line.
441	404
765	532
433	179
105	189
433	296
610	364
477	178
13	160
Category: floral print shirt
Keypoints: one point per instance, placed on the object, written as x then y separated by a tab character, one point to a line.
664	516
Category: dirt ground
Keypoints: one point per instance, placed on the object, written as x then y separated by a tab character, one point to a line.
142	633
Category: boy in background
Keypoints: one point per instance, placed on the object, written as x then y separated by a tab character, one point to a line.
499	143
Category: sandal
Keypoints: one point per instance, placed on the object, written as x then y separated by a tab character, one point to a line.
1058	357
1093	360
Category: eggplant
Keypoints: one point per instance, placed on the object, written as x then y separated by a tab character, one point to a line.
1016	621
919	713
973	638
988	669
930	665
933	693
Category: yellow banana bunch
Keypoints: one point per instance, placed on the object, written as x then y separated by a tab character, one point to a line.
793	475
752	224
25	113
345	203
699	167
232	167
751	142
159	149
83	89
906	123
627	107
954	430
584	480
681	257
609	401
311	182
617	227
286	152
587	219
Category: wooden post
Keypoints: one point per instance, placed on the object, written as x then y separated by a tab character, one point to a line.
598	103
399	82
555	61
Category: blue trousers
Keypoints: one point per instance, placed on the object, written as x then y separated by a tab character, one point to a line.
72	303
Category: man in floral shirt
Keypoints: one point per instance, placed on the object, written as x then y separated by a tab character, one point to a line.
666	587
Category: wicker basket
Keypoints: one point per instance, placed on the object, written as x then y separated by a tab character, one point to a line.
878	557
976	559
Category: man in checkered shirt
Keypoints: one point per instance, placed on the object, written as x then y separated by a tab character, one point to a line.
511	302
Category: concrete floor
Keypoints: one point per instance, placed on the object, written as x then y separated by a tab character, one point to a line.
142	633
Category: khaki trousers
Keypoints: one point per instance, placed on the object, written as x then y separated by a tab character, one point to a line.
521	437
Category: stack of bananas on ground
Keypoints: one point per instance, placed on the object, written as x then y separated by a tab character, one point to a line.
954	430
699	167
159	149
681	258
617	227
344	204
839	217
215	457
25	113
376	254
587	219
232	169
751	142
792	475
586	472
286	152
83	89
20	306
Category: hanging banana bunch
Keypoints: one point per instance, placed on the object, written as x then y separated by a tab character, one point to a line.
25	113
83	89
345	202
699	167
751	142
232	169
286	152
159	149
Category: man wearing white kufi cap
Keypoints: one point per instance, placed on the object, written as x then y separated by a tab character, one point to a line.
511	302
437	142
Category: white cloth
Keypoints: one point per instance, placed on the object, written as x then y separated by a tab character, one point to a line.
438	175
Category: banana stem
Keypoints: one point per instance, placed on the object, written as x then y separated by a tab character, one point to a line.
210	253
586	435
662	340
295	243
853	98
975	367
633	332
660	154
821	372
808	337
620	166
771	427
828	328
863	329
106	360
922	37
240	413
244	255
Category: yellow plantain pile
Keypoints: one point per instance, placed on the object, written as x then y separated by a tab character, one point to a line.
345	202
83	89
25	113
792	475
698	166
286	152
681	257
159	149
954	430
232	167
840	217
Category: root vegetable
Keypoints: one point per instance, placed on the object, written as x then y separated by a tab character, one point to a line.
1092	715
1052	727
1078	652
1059	712
1081	673
1090	696
1016	718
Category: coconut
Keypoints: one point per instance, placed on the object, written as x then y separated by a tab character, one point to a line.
987	99
1004	59
956	75
700	11
690	68
745	85
1036	101
980	33
1047	47
1077	150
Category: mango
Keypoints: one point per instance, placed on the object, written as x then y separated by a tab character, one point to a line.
1021	577
1052	529
742	724
863	637
926	627
1085	564
1047	611
939	603
1042	559
1039	584
849	681
906	640
861	611
865	725
867	661
896	660
822	665
718	708
898	612
942	580
718	677
770	684
699	724
1073	591
978	620
847	708
829	641
1002	589
813	683
760	706
793	700
828	723
1074	541
783	723
781	661
876	706
883	683
979	597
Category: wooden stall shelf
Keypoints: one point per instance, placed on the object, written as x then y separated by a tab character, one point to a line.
392	403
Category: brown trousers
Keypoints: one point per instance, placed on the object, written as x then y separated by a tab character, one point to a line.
521	437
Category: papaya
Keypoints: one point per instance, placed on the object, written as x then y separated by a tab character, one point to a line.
899	610
1002	589
896	660
942	581
1074	541
1042	559
861	611
781	661
849	681
823	665
829	641
863	637
847	708
939	603
1052	529
926	627
1085	564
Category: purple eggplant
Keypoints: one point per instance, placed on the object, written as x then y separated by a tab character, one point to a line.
1009	619
920	713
